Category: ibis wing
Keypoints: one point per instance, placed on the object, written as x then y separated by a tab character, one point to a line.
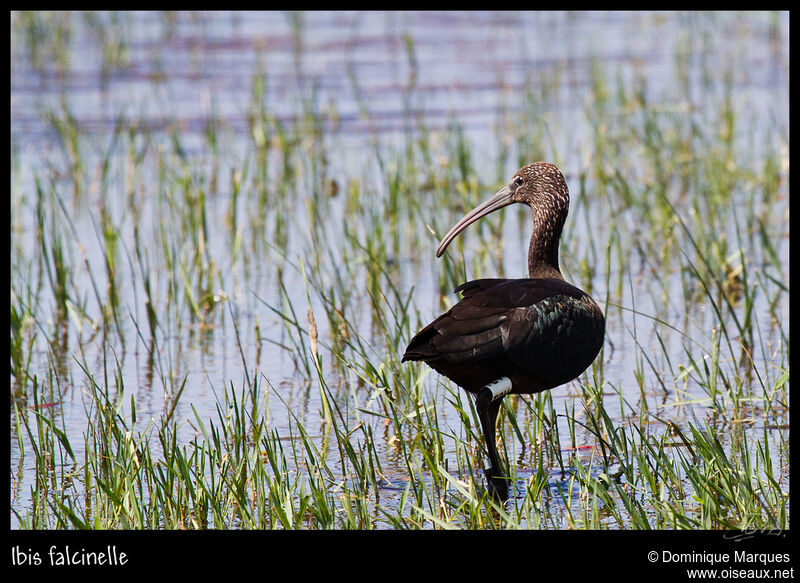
495	317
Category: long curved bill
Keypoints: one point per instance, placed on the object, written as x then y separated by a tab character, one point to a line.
498	201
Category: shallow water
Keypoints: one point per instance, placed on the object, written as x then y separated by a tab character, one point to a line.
182	72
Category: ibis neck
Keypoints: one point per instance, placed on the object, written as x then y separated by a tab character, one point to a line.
543	250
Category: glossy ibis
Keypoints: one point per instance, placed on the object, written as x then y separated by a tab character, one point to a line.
515	335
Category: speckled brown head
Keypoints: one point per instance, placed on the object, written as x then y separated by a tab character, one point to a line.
542	187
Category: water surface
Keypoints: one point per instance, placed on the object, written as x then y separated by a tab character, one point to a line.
372	81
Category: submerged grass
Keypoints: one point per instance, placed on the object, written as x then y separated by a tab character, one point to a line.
314	275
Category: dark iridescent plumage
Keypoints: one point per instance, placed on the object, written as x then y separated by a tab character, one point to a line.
540	332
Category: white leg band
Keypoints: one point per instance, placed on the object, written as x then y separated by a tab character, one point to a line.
499	388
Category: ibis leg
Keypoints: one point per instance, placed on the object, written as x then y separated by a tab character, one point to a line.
487	412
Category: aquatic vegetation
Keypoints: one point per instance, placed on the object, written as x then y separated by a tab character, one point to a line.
220	249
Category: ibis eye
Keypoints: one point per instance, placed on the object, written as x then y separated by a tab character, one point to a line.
518	181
